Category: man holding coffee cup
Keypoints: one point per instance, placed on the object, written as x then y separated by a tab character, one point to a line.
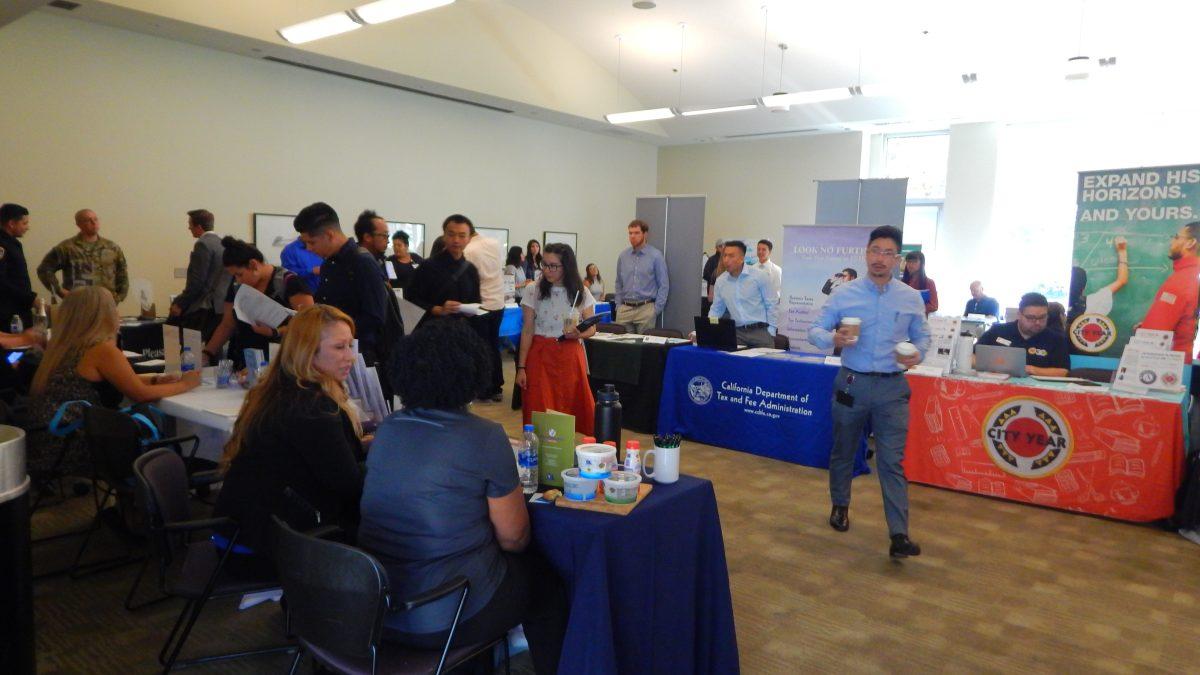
879	324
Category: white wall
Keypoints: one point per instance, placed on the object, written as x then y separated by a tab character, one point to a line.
754	188
142	129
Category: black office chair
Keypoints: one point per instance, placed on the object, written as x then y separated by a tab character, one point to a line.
664	332
614	328
337	598
191	570
114	440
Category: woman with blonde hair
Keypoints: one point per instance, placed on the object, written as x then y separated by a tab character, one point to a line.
83	363
296	429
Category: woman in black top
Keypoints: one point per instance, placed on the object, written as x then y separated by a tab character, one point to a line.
245	263
404	261
296	429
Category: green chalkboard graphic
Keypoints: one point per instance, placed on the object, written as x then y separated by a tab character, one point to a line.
1145	206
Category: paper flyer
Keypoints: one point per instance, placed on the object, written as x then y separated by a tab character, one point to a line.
556	445
252	306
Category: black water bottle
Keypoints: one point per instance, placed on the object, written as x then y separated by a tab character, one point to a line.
608	415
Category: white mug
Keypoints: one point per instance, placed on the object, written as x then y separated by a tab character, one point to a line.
666	464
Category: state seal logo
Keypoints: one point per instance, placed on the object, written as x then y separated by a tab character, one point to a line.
1027	437
1093	333
700	390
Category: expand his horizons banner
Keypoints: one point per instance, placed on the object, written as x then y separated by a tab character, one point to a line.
816	260
1124	213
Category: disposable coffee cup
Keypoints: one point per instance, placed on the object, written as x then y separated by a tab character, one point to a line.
853	325
906	349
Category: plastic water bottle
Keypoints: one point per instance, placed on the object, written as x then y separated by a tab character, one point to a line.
187	360
15	325
527	461
40	320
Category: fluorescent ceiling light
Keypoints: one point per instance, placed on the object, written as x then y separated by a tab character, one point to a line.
326	26
387	10
713	111
802	97
640	116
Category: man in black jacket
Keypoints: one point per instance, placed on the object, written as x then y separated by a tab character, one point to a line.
16	293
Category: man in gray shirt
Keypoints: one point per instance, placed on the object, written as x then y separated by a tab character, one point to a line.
202	301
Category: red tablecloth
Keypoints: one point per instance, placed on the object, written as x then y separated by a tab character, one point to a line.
1112	456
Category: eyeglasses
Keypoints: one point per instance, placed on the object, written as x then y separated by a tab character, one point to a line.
883	252
1035	319
550	267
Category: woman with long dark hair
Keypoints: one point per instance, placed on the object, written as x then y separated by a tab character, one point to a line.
551	366
914	276
533	259
514	265
593	282
297	429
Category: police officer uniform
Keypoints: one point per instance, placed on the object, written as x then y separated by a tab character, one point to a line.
16	293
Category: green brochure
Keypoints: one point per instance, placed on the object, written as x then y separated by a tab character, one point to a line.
556	449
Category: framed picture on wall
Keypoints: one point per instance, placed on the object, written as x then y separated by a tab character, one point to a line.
273	231
416	235
500	234
569	238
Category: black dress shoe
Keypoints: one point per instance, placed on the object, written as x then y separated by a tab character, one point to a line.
902	546
839	518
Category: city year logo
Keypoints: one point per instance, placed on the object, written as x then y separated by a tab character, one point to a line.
1027	437
1093	333
700	390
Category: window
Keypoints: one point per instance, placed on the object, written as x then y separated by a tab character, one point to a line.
922	159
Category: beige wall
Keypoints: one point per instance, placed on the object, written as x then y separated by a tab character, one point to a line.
754	188
141	129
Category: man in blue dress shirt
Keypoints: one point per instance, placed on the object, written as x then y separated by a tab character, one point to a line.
642	283
870	386
748	296
303	262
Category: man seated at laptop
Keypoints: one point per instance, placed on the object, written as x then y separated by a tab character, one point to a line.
747	295
1046	351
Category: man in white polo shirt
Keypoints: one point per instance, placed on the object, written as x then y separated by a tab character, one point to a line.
487	255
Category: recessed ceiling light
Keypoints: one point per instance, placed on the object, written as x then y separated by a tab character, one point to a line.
387	10
323	27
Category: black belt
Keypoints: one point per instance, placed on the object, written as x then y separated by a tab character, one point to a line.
897	373
754	326
637	303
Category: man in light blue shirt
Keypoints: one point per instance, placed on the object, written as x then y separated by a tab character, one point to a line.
642	283
870	386
747	294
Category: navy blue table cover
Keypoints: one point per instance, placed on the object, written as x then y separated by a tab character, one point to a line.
649	591
775	405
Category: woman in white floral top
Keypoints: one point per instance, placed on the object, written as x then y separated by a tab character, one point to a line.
551	366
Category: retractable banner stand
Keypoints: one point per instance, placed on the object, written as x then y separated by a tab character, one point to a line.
1127	213
816	260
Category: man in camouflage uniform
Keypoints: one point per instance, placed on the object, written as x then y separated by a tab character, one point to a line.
87	259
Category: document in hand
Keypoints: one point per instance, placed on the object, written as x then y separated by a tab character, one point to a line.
252	306
471	309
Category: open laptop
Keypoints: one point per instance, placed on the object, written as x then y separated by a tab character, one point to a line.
720	335
997	359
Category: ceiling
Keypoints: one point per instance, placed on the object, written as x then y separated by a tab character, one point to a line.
557	60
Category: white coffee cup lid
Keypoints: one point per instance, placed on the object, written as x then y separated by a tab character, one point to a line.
851	321
906	349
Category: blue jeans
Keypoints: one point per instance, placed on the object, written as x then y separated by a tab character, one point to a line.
883	401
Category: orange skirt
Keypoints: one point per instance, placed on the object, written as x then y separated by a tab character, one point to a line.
556	379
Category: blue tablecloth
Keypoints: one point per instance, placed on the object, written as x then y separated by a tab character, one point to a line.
649	591
510	324
777	406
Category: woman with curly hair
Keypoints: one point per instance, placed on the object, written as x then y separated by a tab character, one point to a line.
442	499
296	429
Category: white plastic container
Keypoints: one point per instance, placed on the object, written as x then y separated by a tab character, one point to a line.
622	487
596	460
578	488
